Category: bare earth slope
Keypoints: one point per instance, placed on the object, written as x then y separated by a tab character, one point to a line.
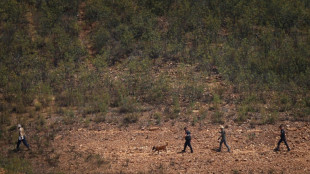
109	149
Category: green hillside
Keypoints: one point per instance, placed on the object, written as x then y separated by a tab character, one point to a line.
95	57
256	45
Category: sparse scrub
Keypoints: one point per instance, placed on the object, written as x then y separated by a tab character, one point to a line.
158	117
69	117
203	113
19	108
217	117
219	91
159	90
127	105
243	112
5	118
130	118
100	118
284	103
193	91
97	103
216	100
15	164
270	118
250	104
97	159
40	123
173	112
37	106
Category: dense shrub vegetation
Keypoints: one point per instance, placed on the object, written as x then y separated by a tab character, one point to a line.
257	45
260	42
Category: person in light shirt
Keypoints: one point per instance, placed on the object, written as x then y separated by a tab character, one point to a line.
21	137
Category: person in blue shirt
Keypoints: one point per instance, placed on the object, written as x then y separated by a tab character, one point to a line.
188	139
282	138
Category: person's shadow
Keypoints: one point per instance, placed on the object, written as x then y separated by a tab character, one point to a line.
215	149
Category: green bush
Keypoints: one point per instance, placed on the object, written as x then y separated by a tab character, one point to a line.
69	117
158	117
174	111
127	105
159	90
130	118
270	118
100	118
217	117
193	91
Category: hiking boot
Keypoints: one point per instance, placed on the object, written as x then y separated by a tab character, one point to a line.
183	151
288	149
276	149
192	151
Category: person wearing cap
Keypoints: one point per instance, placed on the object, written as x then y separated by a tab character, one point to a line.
282	138
188	139
21	137
223	139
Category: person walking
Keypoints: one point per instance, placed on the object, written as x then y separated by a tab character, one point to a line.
282	138
188	139
21	137
223	139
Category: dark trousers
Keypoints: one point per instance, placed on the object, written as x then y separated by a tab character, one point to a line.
188	143
24	142
224	141
288	148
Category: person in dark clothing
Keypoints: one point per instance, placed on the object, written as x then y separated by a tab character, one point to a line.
282	138
21	137
223	139
188	139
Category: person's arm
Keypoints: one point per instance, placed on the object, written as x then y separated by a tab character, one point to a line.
220	136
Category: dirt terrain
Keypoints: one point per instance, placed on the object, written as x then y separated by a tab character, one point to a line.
129	150
110	149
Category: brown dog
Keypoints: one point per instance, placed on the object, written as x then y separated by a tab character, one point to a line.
158	148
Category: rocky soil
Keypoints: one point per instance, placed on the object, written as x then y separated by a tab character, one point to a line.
112	149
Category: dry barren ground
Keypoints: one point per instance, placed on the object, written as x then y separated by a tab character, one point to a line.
110	149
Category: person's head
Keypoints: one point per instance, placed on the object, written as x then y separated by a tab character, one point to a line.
185	128
221	127
281	126
19	126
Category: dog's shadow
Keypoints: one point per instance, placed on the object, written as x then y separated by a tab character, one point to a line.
215	149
